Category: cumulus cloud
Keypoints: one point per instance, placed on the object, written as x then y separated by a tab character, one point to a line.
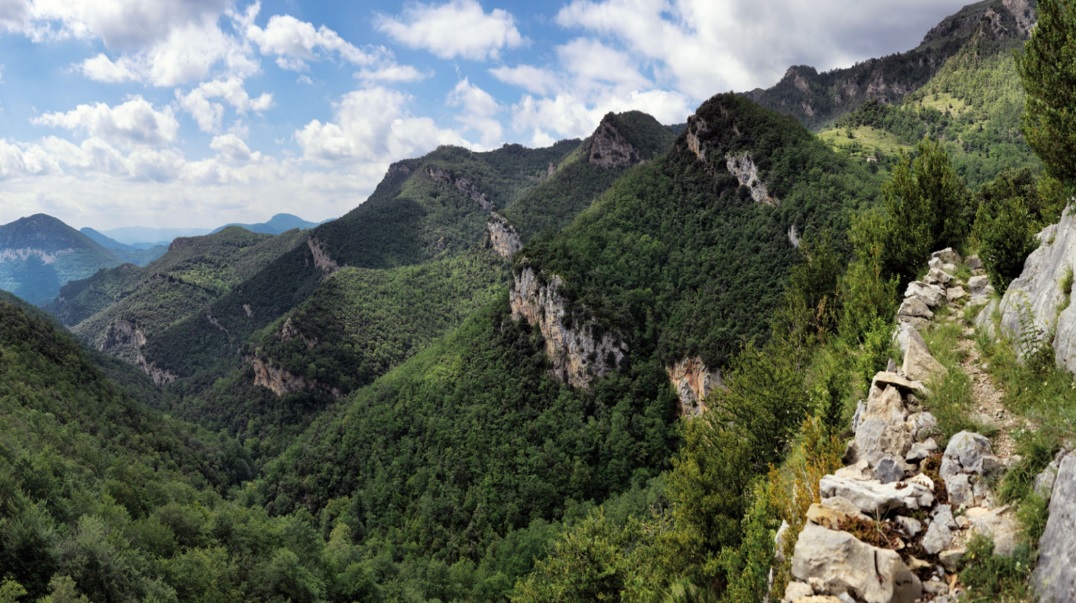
135	122
372	125
121	24
399	74
14	14
479	112
705	47
532	79
208	114
458	28
296	42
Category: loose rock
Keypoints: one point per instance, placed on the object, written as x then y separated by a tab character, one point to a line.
837	563
876	499
919	365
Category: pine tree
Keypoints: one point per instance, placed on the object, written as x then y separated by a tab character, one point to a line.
1048	71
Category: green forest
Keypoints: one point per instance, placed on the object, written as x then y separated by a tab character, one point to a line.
423	448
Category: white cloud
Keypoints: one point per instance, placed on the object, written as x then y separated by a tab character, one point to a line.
592	62
704	47
458	28
122	24
231	148
295	42
372	125
400	74
134	122
532	79
100	68
479	112
14	14
208	114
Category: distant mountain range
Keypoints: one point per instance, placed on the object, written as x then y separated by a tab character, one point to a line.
40	254
145	237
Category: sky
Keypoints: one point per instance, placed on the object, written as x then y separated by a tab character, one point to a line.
197	113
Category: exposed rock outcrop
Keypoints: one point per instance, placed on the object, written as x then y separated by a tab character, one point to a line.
24	253
743	167
320	253
282	382
1036	305
503	238
609	149
837	563
693	381
125	339
1054	580
579	350
462	184
697	128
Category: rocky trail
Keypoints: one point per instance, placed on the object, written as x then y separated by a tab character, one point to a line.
893	525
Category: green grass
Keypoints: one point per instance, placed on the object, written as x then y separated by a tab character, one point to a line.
865	141
950	400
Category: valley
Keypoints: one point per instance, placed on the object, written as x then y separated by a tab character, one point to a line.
659	363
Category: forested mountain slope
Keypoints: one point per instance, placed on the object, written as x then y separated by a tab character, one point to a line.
480	435
39	254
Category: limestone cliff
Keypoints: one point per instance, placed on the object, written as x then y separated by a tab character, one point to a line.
580	353
320	252
693	381
743	167
463	185
124	339
281	382
503	237
610	149
1036	303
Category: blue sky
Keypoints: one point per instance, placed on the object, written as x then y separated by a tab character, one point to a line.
195	113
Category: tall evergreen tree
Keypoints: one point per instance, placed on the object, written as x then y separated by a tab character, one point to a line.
1048	71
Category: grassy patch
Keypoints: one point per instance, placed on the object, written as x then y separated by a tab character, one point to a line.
995	578
950	400
864	141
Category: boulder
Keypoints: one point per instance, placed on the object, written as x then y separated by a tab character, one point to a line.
913	306
836	563
974	262
952	558
881	429
876	499
843	506
906	333
883	379
920	366
947	255
966	460
937	276
931	295
889	470
910	525
924	425
955	294
940	533
796	591
1044	481
1054	578
997	524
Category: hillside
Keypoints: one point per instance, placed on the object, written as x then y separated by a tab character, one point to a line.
40	254
817	99
276	225
484	436
118	310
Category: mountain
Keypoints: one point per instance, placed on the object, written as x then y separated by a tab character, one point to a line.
816	99
276	225
338	311
116	310
39	254
138	255
144	236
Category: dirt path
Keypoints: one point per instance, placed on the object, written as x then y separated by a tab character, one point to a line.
988	408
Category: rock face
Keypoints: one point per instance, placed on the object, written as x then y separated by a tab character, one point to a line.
124	339
1054	579
320	253
836	563
1030	305
464	186
967	461
609	149
693	381
743	167
696	129
503	237
579	353
281	382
